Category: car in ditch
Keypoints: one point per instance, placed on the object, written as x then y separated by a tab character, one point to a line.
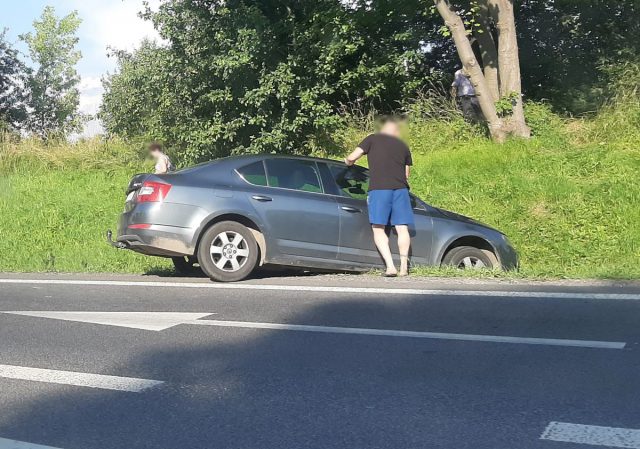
232	215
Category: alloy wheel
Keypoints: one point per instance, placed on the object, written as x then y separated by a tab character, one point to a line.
229	251
472	263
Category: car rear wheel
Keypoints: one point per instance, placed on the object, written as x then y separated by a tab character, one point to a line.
470	258
228	252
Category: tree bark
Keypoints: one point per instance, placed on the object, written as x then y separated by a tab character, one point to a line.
509	62
488	50
469	62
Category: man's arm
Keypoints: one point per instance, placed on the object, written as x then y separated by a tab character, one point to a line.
354	156
407	170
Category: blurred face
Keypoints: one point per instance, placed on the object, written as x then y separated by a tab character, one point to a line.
154	153
391	128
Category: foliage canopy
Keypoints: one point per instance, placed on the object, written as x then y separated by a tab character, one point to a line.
236	76
53	95
12	70
264	75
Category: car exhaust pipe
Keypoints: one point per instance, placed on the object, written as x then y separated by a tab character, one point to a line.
110	241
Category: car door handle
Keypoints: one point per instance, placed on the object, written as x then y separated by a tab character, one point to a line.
353	210
262	198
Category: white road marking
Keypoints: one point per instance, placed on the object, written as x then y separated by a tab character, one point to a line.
416	334
328	289
13	444
163	320
90	380
152	321
592	435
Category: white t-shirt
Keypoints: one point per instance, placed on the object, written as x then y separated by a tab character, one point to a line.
164	160
463	84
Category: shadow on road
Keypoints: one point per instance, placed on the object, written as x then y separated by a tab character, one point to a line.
259	273
244	388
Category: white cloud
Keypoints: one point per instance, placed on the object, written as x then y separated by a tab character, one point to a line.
89	83
114	23
106	24
90	94
90	99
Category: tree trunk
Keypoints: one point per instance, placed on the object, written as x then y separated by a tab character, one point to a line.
509	62
469	62
488	50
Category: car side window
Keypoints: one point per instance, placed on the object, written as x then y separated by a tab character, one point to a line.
294	174
254	173
353	182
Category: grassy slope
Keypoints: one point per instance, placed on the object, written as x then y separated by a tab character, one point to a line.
569	206
55	219
567	198
569	211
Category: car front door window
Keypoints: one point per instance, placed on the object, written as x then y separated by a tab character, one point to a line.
353	182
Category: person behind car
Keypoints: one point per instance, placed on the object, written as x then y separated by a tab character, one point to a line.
465	94
163	163
388	197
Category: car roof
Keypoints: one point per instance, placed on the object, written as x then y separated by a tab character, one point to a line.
237	161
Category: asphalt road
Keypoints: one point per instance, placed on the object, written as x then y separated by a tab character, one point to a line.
316	362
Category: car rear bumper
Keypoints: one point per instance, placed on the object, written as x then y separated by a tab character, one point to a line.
159	229
157	240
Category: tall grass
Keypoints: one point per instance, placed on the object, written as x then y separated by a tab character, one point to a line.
57	199
618	123
34	155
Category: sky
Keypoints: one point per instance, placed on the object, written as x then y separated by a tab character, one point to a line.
105	23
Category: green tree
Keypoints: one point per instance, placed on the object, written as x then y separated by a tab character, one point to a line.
53	83
12	73
568	47
265	75
495	68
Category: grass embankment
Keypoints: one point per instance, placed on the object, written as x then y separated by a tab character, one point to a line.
567	198
57	201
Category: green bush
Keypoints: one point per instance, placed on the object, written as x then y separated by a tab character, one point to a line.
543	122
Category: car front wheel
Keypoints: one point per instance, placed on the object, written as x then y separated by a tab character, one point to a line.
228	252
469	257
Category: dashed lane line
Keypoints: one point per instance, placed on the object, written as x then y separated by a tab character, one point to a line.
101	381
592	435
14	444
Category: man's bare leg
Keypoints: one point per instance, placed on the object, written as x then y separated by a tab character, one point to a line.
404	243
381	239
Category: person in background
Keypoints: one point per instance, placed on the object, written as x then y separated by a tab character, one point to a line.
388	198
465	95
163	163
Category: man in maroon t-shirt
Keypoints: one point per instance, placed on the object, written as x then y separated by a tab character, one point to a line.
388	199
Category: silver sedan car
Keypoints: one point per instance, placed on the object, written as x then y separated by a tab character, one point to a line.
235	214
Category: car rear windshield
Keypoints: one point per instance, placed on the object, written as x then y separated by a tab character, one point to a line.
294	174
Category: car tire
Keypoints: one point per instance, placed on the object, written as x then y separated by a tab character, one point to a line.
228	252
469	257
185	264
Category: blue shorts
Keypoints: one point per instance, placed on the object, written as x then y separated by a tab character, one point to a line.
390	207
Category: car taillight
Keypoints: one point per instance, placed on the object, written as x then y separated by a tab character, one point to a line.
153	192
